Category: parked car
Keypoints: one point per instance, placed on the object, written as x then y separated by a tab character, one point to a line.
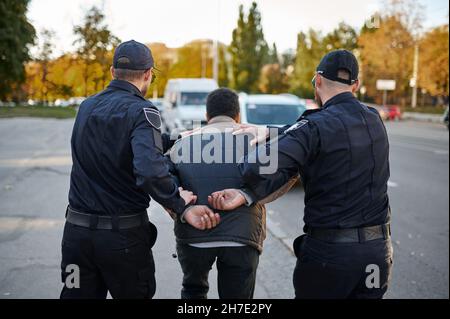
62	103
311	104
185	103
394	113
382	110
270	110
158	103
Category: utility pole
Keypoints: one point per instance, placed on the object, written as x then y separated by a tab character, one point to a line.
414	80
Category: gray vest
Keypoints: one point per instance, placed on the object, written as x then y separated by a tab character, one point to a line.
207	163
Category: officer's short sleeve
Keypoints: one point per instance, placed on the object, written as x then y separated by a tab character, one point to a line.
151	168
288	154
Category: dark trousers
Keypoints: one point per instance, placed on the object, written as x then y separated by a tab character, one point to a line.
119	262
236	267
342	271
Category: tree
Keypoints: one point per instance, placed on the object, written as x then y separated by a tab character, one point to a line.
64	78
288	59
164	59
273	57
387	48
387	53
16	36
410	13
44	58
224	79
95	43
194	60
343	37
67	74
273	80
310	50
248	50
311	47
434	61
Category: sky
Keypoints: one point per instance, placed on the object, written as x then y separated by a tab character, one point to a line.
176	22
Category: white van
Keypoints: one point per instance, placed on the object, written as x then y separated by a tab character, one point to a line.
270	110
185	103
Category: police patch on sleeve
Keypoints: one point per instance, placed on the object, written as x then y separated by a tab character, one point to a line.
153	117
296	126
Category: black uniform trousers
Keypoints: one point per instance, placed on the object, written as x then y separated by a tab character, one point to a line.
342	271
120	262
236	268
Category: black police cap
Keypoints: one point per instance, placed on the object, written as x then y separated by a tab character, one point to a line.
132	55
336	61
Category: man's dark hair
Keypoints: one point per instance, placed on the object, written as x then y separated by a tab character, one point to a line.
222	101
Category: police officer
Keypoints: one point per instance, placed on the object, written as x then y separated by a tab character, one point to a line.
341	152
117	152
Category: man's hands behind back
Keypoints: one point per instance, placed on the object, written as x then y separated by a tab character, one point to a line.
228	199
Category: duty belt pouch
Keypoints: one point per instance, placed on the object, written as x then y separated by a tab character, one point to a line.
298	245
153	234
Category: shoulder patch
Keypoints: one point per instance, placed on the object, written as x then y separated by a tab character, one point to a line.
153	117
296	126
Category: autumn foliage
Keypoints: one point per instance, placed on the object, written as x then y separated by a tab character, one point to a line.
385	51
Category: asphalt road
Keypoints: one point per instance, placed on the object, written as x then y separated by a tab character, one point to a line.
34	180
419	194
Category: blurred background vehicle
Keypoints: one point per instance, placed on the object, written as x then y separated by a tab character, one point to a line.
394	113
311	104
185	103
445	118
73	101
270	110
159	103
62	103
382	110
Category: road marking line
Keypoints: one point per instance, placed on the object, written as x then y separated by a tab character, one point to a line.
392	184
25	223
440	152
43	161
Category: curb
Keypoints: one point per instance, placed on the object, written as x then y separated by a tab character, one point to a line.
423	117
279	234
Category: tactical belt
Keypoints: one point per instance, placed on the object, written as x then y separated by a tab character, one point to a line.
95	222
353	235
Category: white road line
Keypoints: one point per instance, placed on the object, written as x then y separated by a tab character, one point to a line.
43	161
440	152
421	148
392	184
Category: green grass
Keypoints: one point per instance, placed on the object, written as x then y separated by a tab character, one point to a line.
38	111
425	109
